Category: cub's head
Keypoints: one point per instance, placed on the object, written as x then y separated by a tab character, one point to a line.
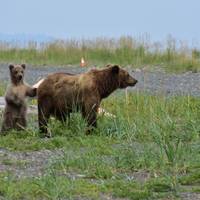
124	78
17	72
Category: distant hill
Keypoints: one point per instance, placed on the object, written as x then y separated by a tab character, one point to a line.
25	38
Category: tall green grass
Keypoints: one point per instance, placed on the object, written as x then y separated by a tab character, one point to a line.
154	135
174	55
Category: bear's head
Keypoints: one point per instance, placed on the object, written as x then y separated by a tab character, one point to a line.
124	78
17	73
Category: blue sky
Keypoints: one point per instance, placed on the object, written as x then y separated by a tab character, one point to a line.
110	18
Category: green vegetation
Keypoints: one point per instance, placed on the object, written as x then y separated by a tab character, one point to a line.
150	151
2	89
175	56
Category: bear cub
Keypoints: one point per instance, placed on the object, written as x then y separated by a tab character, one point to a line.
14	116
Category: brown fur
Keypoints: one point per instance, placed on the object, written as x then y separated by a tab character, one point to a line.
60	94
15	111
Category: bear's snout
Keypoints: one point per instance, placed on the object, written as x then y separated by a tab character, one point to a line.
136	81
20	77
132	81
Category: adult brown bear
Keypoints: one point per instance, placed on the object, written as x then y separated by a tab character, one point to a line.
61	93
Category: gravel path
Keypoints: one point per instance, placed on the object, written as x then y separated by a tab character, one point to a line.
152	82
160	82
27	164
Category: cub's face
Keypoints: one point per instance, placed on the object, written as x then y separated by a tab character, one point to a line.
17	72
124	78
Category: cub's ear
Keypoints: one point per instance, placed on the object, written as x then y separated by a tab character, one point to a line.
23	65
115	69
11	67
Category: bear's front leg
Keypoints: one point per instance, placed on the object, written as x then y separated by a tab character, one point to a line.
31	92
89	113
43	117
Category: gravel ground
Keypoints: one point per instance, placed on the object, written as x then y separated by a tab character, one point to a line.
27	164
152	82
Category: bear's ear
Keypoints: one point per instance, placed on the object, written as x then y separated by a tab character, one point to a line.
115	69
23	65
11	67
108	65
